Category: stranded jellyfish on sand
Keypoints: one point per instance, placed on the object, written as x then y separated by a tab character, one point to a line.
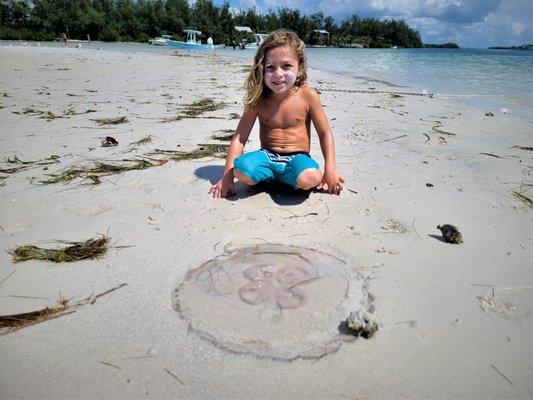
271	300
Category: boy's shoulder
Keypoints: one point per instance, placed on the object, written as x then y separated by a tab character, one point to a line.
309	94
308	91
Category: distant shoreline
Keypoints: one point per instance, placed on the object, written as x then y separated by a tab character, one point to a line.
523	47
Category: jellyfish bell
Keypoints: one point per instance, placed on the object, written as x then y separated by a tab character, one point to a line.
269	300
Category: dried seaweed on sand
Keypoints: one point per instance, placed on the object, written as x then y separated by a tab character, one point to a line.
102	168
48	115
202	151
225	135
524	199
522	148
11	323
142	141
437	127
202	106
194	110
22	165
110	121
90	249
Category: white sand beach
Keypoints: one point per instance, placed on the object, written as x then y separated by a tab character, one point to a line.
455	320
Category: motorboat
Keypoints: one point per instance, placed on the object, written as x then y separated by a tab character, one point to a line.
259	38
192	42
160	41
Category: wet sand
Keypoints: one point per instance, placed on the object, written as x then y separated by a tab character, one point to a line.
455	319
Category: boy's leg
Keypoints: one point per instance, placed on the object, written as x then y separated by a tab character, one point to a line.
309	178
252	167
302	172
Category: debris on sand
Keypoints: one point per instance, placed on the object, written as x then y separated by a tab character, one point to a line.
451	234
393	225
22	165
102	168
110	121
48	115
109	141
12	323
71	111
142	141
202	151
194	110
523	198
90	249
362	324
224	135
437	127
202	106
522	148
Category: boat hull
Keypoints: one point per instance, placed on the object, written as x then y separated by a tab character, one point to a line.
190	46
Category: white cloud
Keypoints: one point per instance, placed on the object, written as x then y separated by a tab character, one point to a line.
471	23
518	28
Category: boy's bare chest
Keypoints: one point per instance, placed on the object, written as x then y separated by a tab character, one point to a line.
289	115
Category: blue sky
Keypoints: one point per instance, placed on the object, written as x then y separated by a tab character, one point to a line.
470	23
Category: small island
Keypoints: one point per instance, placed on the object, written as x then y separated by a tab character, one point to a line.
523	47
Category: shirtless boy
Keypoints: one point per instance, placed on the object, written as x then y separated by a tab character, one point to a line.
277	95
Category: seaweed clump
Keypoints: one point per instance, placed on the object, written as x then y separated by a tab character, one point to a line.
202	151
224	135
10	323
22	165
197	108
90	249
99	169
110	121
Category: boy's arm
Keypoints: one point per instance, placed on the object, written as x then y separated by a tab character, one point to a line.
331	180
225	185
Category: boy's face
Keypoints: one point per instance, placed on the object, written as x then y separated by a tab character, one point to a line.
281	69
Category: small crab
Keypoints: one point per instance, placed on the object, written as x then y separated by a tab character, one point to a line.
450	234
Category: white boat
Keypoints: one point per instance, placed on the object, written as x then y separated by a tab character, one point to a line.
160	41
192	42
259	38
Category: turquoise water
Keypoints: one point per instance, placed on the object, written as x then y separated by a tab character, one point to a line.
489	79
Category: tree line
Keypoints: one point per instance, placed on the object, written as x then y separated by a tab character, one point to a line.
139	20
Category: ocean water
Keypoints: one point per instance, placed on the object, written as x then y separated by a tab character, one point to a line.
489	79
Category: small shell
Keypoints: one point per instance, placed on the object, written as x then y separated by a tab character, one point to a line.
450	234
362	324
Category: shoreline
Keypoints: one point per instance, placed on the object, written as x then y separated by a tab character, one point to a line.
453	318
520	105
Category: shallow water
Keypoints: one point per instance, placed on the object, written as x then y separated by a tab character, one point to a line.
489	79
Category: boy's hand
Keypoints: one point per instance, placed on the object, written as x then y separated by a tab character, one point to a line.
224	187
332	182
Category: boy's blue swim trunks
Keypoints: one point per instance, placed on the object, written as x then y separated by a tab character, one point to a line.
265	165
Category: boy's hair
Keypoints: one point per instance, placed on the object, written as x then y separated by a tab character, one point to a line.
255	90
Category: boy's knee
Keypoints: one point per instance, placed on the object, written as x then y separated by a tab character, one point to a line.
309	179
242	177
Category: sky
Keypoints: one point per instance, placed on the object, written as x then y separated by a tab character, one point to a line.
469	23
